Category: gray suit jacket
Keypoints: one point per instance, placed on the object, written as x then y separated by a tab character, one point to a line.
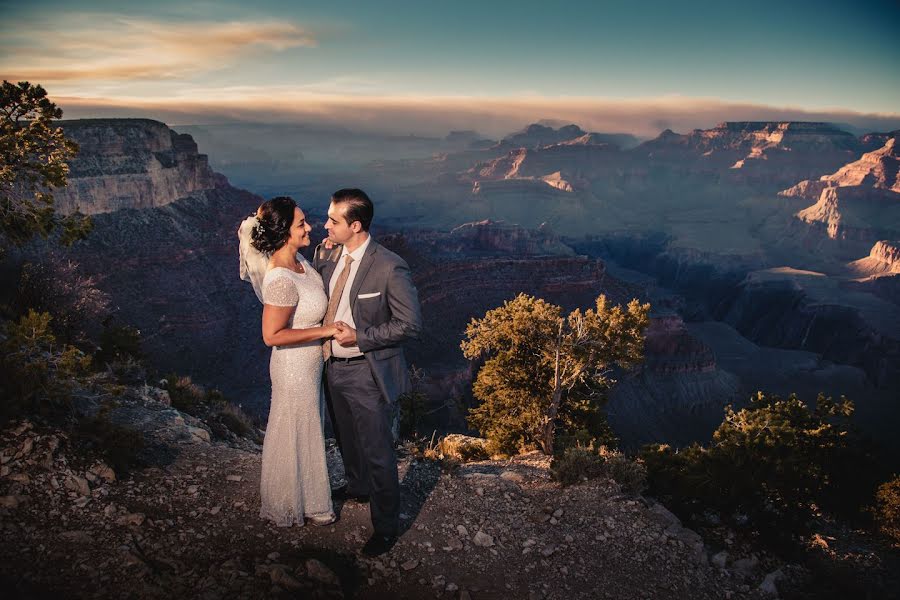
387	314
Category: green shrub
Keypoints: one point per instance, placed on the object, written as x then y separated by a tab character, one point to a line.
119	343
582	463
577	464
210	405
235	420
55	285
776	461
628	473
191	398
887	509
38	375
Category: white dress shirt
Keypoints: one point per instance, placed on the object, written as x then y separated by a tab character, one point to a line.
343	310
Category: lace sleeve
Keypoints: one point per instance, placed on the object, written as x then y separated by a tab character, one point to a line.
281	291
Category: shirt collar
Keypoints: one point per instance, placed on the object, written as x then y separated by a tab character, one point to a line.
358	253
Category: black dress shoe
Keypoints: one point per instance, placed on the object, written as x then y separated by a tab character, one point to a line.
379	544
341	495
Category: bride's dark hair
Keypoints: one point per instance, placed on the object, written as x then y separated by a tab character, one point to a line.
273	225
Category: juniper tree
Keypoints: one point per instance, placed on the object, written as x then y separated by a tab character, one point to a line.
544	370
33	157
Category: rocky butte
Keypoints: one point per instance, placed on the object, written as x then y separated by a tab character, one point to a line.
132	163
859	203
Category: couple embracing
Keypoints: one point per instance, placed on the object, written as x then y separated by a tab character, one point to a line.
344	316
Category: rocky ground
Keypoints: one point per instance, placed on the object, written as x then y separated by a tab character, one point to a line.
188	526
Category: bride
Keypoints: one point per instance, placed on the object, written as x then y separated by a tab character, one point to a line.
294	482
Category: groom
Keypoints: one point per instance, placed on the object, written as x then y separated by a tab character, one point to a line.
370	290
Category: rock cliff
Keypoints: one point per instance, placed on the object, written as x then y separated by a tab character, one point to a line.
879	273
856	205
883	258
678	395
761	153
855	215
131	163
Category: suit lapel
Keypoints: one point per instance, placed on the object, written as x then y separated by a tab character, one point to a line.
367	260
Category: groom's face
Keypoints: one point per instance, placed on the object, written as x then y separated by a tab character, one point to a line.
339	231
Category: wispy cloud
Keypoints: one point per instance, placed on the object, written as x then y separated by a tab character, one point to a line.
102	47
433	115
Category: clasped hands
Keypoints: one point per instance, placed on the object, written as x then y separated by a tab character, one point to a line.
344	334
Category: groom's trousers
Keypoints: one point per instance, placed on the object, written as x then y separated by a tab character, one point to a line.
362	421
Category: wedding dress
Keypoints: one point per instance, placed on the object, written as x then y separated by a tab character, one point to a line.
294	481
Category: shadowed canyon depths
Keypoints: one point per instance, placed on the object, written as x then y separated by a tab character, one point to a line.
768	250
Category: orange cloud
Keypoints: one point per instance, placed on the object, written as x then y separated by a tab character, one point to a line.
114	48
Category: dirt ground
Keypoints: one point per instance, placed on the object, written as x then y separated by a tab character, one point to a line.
190	528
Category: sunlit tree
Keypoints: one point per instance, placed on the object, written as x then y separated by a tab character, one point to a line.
33	161
544	370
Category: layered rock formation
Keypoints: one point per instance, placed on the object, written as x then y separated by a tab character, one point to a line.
498	236
854	214
761	153
859	203
877	169
883	258
582	161
131	163
678	395
786	308
537	135
879	272
164	248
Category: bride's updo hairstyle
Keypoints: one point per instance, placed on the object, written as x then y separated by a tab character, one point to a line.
273	225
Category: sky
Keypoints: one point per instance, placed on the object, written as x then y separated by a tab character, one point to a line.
488	65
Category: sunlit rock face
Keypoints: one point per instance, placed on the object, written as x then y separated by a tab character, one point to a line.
877	169
879	272
883	258
859	203
131	163
755	152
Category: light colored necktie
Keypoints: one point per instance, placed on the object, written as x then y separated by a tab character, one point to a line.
334	301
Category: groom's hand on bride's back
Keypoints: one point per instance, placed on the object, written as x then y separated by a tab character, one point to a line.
325	250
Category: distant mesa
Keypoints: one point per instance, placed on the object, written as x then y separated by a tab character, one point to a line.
750	135
537	136
131	163
770	155
468	138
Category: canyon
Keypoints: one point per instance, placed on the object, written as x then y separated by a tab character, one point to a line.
707	226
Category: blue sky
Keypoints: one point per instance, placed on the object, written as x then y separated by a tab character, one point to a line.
808	56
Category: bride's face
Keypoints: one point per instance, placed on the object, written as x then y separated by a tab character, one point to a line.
299	236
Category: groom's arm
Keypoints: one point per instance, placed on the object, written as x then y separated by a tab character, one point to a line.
406	314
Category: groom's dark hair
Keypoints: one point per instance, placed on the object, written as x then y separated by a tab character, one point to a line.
359	207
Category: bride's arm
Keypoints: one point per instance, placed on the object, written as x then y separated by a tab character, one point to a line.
276	329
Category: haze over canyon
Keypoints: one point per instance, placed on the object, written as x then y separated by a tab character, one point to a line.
769	250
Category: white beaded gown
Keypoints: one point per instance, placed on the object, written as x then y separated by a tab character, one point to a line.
294	481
